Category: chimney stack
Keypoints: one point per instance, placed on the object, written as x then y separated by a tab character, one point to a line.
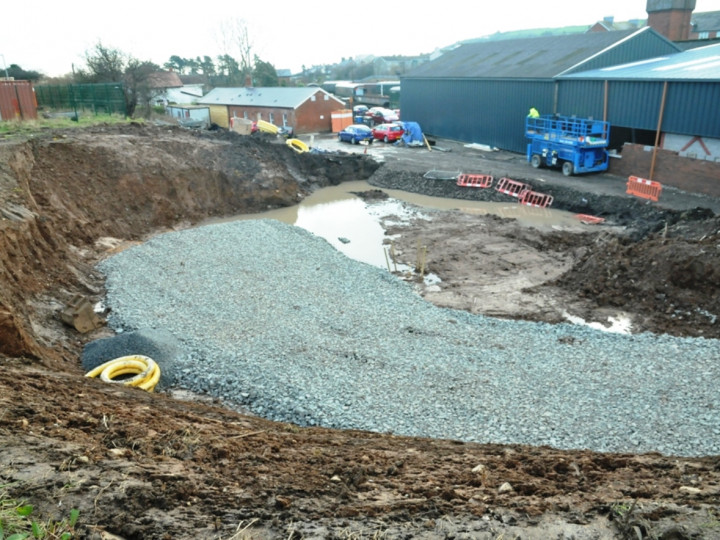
671	18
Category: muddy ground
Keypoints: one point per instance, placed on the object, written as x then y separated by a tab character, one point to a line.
141	465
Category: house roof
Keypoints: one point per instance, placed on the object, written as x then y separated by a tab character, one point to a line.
164	79
281	97
695	43
194	79
708	21
701	63
540	57
612	26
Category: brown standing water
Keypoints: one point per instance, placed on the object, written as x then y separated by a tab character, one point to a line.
355	228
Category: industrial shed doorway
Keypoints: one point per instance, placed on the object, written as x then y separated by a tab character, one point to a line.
619	135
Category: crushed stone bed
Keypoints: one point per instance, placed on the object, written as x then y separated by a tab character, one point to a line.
273	319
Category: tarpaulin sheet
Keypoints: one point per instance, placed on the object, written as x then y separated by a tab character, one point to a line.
413	135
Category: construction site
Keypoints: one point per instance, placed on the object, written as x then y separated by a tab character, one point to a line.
188	462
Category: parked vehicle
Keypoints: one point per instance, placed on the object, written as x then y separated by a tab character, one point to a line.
388	132
356	133
576	145
380	115
286	131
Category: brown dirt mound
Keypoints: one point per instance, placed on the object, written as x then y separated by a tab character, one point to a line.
146	466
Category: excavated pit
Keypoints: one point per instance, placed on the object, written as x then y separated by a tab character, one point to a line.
144	466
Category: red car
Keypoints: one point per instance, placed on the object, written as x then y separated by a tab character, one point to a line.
380	115
388	132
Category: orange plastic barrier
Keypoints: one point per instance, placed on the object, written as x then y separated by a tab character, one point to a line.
646	189
341	119
587	218
511	187
475	180
533	198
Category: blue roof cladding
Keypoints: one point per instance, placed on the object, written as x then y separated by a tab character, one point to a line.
700	64
544	57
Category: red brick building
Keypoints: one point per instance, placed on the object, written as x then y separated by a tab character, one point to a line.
305	109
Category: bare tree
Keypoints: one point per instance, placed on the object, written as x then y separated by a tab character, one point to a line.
104	64
236	41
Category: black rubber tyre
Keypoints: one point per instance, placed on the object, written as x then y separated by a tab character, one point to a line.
536	161
568	169
340	138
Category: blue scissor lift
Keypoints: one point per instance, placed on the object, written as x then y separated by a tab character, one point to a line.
576	145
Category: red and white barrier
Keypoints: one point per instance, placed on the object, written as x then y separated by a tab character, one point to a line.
587	218
645	189
535	199
475	180
511	187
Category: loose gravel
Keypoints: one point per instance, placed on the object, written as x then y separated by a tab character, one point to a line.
274	320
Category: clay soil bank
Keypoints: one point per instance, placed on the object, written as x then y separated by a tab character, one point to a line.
141	465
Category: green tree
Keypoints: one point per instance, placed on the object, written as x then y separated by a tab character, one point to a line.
21	74
176	63
105	65
264	73
137	86
193	65
228	71
207	66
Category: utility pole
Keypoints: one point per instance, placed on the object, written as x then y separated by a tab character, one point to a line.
5	65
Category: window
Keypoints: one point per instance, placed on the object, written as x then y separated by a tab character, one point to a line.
326	97
245	115
704	35
284	119
271	118
259	116
312	98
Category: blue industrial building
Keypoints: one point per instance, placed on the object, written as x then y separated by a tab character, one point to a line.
481	92
676	93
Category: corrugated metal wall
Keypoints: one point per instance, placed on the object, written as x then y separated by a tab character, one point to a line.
484	111
691	108
17	101
583	99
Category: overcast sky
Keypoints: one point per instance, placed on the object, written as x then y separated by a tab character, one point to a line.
51	35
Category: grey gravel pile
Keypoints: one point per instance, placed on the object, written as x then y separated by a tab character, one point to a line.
275	320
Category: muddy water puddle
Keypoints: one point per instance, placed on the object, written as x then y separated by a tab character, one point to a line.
354	227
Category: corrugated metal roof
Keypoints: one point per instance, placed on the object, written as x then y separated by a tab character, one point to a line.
530	58
288	98
700	64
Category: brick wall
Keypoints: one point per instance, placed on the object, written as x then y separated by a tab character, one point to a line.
264	113
673	24
693	175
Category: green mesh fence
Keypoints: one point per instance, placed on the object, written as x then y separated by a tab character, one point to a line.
105	98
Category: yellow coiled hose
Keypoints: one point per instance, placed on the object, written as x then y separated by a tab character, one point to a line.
147	372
